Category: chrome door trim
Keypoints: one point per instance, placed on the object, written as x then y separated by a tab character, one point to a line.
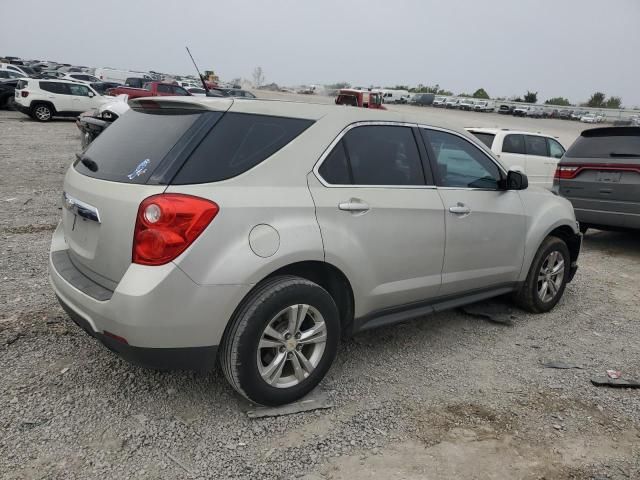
344	131
80	208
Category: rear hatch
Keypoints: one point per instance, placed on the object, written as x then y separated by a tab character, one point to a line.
601	170
134	158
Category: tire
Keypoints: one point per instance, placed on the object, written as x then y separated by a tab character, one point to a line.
247	366
42	112
528	297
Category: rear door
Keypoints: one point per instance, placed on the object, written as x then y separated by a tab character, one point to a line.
381	218
485	226
58	94
512	152
539	167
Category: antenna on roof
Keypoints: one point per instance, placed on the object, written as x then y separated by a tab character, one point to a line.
204	84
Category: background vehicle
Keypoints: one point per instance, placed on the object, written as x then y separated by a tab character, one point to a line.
21	69
135	82
483	106
565	114
532	153
520	111
197	91
233	92
578	114
93	122
80	77
7	89
535	112
44	99
394	96
360	98
270	288
452	102
589	118
600	175
505	109
439	101
466	104
422	99
151	89
10	75
118	76
102	87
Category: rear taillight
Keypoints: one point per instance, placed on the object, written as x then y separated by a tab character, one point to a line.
564	172
167	224
24	94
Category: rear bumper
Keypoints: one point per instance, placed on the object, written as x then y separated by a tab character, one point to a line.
606	216
22	108
166	319
193	358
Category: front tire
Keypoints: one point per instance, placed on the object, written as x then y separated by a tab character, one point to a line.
281	342
547	277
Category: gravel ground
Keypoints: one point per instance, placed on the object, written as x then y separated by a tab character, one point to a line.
449	396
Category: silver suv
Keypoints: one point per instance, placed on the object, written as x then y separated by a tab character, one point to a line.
257	233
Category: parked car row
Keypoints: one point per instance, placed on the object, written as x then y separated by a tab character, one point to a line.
469	104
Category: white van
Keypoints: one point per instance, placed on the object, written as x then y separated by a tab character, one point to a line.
395	96
118	76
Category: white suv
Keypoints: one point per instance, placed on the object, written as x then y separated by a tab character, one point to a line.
535	154
44	99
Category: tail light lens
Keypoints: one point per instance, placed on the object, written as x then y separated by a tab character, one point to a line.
565	172
167	224
24	94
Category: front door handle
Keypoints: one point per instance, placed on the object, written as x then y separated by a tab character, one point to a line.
460	209
354	205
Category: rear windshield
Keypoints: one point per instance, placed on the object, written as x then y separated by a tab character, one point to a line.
486	138
238	142
606	143
134	145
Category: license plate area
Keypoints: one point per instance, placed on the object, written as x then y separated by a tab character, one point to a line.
608	176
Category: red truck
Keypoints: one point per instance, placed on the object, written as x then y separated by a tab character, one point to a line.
360	98
151	89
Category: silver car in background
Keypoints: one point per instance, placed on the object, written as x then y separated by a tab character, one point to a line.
257	233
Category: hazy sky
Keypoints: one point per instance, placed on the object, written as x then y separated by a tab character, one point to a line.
567	48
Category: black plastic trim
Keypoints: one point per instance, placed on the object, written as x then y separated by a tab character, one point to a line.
402	313
189	358
66	269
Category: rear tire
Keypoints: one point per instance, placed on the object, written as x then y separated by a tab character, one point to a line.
271	361
547	277
41	112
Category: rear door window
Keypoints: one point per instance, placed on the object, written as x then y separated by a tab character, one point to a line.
55	87
162	88
513	144
237	143
131	148
555	149
536	145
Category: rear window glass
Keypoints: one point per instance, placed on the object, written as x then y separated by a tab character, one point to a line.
133	146
54	87
608	143
486	138
513	144
238	142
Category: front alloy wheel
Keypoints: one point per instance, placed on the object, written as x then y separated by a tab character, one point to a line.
550	276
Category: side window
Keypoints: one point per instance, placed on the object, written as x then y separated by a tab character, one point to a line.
55	87
555	149
536	145
147	86
79	90
162	88
459	163
335	168
179	91
383	155
513	144
238	142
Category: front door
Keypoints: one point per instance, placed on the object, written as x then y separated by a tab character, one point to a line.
485	226
381	218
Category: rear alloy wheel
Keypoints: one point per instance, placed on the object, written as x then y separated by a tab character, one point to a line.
547	277
42	112
282	341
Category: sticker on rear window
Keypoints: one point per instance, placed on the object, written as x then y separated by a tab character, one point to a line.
140	169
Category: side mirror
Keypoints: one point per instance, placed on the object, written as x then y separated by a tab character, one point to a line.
91	94
516	181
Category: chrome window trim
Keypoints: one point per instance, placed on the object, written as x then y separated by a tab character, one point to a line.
343	132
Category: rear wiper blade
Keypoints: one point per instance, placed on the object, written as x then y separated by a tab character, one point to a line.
87	162
624	155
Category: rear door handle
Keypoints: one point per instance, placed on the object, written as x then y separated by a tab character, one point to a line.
354	205
460	209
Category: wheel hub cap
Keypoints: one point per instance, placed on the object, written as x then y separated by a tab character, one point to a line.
551	276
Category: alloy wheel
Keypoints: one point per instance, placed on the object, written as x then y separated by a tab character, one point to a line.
42	113
550	276
291	346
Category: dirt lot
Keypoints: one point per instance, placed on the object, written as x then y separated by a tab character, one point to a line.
451	396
